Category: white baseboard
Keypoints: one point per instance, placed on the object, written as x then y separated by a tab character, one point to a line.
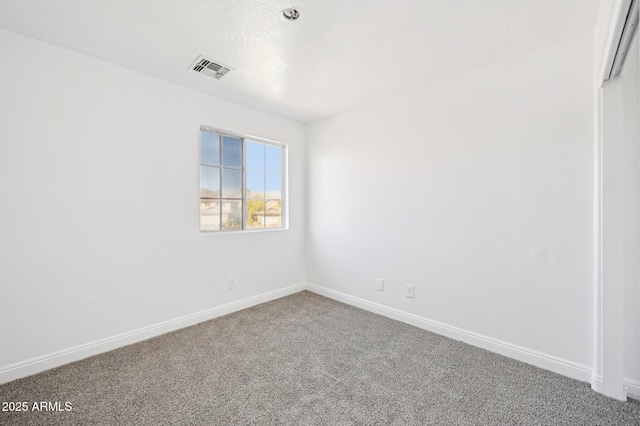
529	356
596	383
548	362
632	388
56	359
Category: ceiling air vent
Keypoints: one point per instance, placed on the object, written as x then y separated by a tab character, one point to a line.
208	67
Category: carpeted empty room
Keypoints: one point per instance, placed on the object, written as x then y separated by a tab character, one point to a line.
285	212
306	359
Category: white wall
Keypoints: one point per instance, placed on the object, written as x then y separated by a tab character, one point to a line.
99	202
631	169
477	190
620	220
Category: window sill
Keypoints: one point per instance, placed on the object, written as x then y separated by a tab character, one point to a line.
245	231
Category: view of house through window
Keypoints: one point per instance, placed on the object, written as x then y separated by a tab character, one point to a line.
241	183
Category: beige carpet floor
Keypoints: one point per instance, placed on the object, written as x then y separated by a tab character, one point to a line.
305	359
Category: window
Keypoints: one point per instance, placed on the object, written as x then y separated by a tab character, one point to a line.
241	182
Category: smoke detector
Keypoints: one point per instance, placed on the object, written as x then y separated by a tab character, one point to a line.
291	14
210	68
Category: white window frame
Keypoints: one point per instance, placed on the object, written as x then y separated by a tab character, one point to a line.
285	183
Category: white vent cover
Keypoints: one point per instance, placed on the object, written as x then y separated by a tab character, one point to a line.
208	67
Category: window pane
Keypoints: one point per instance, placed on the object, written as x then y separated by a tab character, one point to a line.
231	152
273	158
255	184
231	183
255	214
209	148
274	186
209	182
272	213
209	215
231	214
255	155
241	183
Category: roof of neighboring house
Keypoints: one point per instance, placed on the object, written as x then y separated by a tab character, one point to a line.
213	209
271	211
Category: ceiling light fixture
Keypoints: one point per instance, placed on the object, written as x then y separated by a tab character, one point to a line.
291	14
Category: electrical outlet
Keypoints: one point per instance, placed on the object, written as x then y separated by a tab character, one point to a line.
231	282
410	291
380	284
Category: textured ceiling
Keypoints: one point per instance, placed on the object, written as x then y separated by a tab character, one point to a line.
338	55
